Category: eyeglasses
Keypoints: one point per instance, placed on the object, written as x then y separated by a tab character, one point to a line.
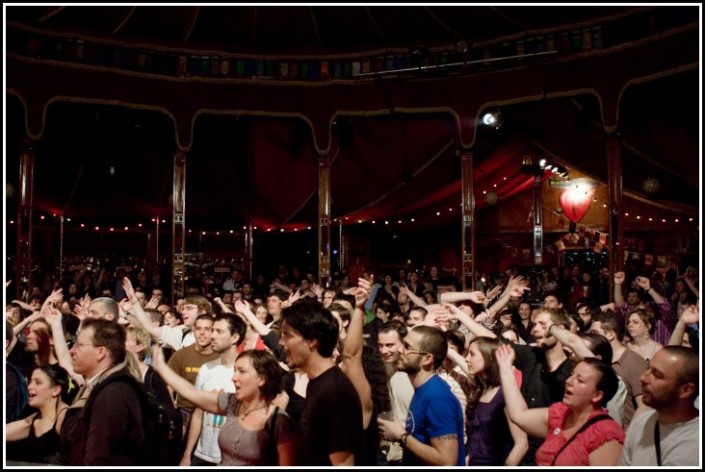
77	344
408	348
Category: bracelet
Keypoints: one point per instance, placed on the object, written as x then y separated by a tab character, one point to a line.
403	438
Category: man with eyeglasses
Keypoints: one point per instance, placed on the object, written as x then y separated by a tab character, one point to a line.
434	426
103	427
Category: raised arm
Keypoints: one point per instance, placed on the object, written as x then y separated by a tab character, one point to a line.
352	352
475	328
691	284
515	287
19	327
61	349
532	420
412	296
645	283
452	297
207	401
570	340
459	360
690	315
243	308
138	311
618	282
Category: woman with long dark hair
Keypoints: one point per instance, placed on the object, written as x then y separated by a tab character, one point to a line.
36	438
492	438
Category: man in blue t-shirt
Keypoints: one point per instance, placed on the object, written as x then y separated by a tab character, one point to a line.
434	427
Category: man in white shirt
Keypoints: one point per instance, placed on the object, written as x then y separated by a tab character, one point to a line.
669	434
202	437
389	341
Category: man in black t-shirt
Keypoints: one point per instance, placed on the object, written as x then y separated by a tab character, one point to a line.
544	367
332	415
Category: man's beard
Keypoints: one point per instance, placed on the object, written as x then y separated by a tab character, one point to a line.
410	368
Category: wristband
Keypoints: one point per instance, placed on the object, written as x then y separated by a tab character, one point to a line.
403	438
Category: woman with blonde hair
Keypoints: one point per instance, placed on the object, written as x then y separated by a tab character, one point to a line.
641	326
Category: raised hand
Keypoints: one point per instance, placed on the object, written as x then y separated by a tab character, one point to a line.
691	314
129	289
363	292
644	283
619	278
518	290
241	306
479	297
505	356
493	292
81	308
317	290
53	316
153	303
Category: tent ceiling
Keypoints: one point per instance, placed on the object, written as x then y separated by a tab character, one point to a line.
392	166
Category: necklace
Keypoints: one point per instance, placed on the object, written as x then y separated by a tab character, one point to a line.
249	410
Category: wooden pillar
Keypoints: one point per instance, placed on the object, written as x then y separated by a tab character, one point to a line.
249	241
178	227
615	192
23	275
538	220
468	223
323	220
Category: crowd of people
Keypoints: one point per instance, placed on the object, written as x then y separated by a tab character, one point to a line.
550	367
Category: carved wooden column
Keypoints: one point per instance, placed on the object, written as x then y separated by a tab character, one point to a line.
323	220
468	223
24	218
615	192
178	227
538	220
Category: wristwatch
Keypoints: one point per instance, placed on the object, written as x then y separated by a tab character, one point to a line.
403	438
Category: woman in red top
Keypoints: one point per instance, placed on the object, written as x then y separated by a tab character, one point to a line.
578	430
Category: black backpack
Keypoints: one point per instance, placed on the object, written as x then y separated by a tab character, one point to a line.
161	421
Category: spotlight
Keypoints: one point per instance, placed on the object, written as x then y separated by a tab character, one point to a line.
491	119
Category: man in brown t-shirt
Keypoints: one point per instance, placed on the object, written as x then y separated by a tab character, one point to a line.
188	361
626	363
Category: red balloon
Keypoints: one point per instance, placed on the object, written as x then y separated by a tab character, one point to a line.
575	201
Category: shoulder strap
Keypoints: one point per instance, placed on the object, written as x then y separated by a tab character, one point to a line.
585	426
127	378
273	423
657	442
148	376
184	333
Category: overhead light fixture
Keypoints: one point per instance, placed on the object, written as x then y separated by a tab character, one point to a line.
492	119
